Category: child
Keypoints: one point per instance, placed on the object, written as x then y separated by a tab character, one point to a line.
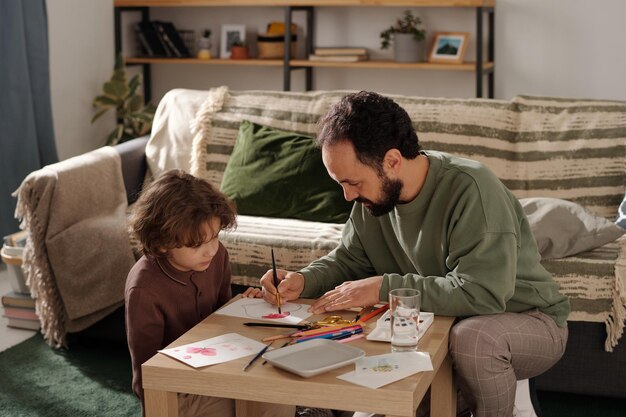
183	276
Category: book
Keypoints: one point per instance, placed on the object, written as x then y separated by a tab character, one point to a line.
340	51
21	313
171	39
23	323
150	40
14	299
338	58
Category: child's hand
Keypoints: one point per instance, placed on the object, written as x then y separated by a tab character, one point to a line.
253	292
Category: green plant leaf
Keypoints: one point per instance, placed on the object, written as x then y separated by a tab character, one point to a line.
105	101
144	117
119	75
115	89
100	113
408	23
134	83
135	117
135	103
115	136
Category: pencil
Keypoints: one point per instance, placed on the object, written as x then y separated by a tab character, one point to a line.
276	282
359	314
374	313
258	355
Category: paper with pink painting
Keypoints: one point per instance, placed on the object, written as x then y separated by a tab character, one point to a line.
224	348
259	309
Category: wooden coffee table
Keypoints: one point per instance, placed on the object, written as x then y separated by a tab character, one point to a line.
164	377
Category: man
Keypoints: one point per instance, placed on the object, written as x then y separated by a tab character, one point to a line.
446	226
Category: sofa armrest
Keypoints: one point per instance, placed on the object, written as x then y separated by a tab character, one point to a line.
134	165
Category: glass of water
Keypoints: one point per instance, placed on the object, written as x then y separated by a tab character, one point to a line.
404	307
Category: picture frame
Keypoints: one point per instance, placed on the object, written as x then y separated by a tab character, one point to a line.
448	47
231	34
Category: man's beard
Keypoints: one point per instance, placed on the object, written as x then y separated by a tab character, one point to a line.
391	196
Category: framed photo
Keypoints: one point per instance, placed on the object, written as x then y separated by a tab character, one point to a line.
448	47
230	35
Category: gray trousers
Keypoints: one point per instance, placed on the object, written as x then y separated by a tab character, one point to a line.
492	352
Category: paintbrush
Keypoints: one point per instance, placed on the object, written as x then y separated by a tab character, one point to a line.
276	282
257	356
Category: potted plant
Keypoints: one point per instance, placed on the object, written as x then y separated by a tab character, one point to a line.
239	50
407	38
134	118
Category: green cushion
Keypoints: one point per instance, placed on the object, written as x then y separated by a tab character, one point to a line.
275	173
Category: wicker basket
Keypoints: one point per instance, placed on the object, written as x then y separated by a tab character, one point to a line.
273	46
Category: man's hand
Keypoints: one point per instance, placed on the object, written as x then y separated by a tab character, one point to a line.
359	293
290	286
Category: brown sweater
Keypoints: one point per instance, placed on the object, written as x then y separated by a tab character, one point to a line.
162	303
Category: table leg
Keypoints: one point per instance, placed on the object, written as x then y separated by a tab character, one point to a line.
244	408
443	391
160	403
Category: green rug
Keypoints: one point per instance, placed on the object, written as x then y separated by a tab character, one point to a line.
90	380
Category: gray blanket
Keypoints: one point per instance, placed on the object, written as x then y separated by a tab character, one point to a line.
78	252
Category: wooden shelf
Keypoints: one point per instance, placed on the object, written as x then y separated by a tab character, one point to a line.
314	3
481	9
213	61
389	64
384	64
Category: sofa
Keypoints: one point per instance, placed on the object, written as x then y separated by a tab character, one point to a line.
563	150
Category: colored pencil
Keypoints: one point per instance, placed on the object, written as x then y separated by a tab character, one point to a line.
374	313
333	335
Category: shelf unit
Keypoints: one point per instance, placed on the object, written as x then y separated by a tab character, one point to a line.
483	65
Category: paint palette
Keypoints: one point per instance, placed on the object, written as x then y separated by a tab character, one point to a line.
382	332
313	357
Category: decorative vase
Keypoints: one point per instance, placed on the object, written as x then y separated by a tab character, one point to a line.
407	49
204	48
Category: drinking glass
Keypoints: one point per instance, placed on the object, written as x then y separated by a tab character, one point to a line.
404	307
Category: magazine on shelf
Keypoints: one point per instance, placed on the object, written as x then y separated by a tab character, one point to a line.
338	58
340	51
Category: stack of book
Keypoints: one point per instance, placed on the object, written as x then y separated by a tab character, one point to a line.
19	307
19	310
347	54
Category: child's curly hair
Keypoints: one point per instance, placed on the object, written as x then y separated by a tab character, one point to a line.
171	211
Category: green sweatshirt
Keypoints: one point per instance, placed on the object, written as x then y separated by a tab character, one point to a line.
464	242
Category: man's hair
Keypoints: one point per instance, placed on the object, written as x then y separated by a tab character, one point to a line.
373	124
171	211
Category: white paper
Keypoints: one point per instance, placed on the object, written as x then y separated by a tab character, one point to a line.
224	348
380	370
382	332
259	309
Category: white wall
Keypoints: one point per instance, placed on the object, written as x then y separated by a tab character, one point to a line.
568	48
81	60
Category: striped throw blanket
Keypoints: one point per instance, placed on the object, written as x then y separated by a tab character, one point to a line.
539	147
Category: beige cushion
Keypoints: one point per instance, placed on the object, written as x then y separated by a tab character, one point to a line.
562	228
